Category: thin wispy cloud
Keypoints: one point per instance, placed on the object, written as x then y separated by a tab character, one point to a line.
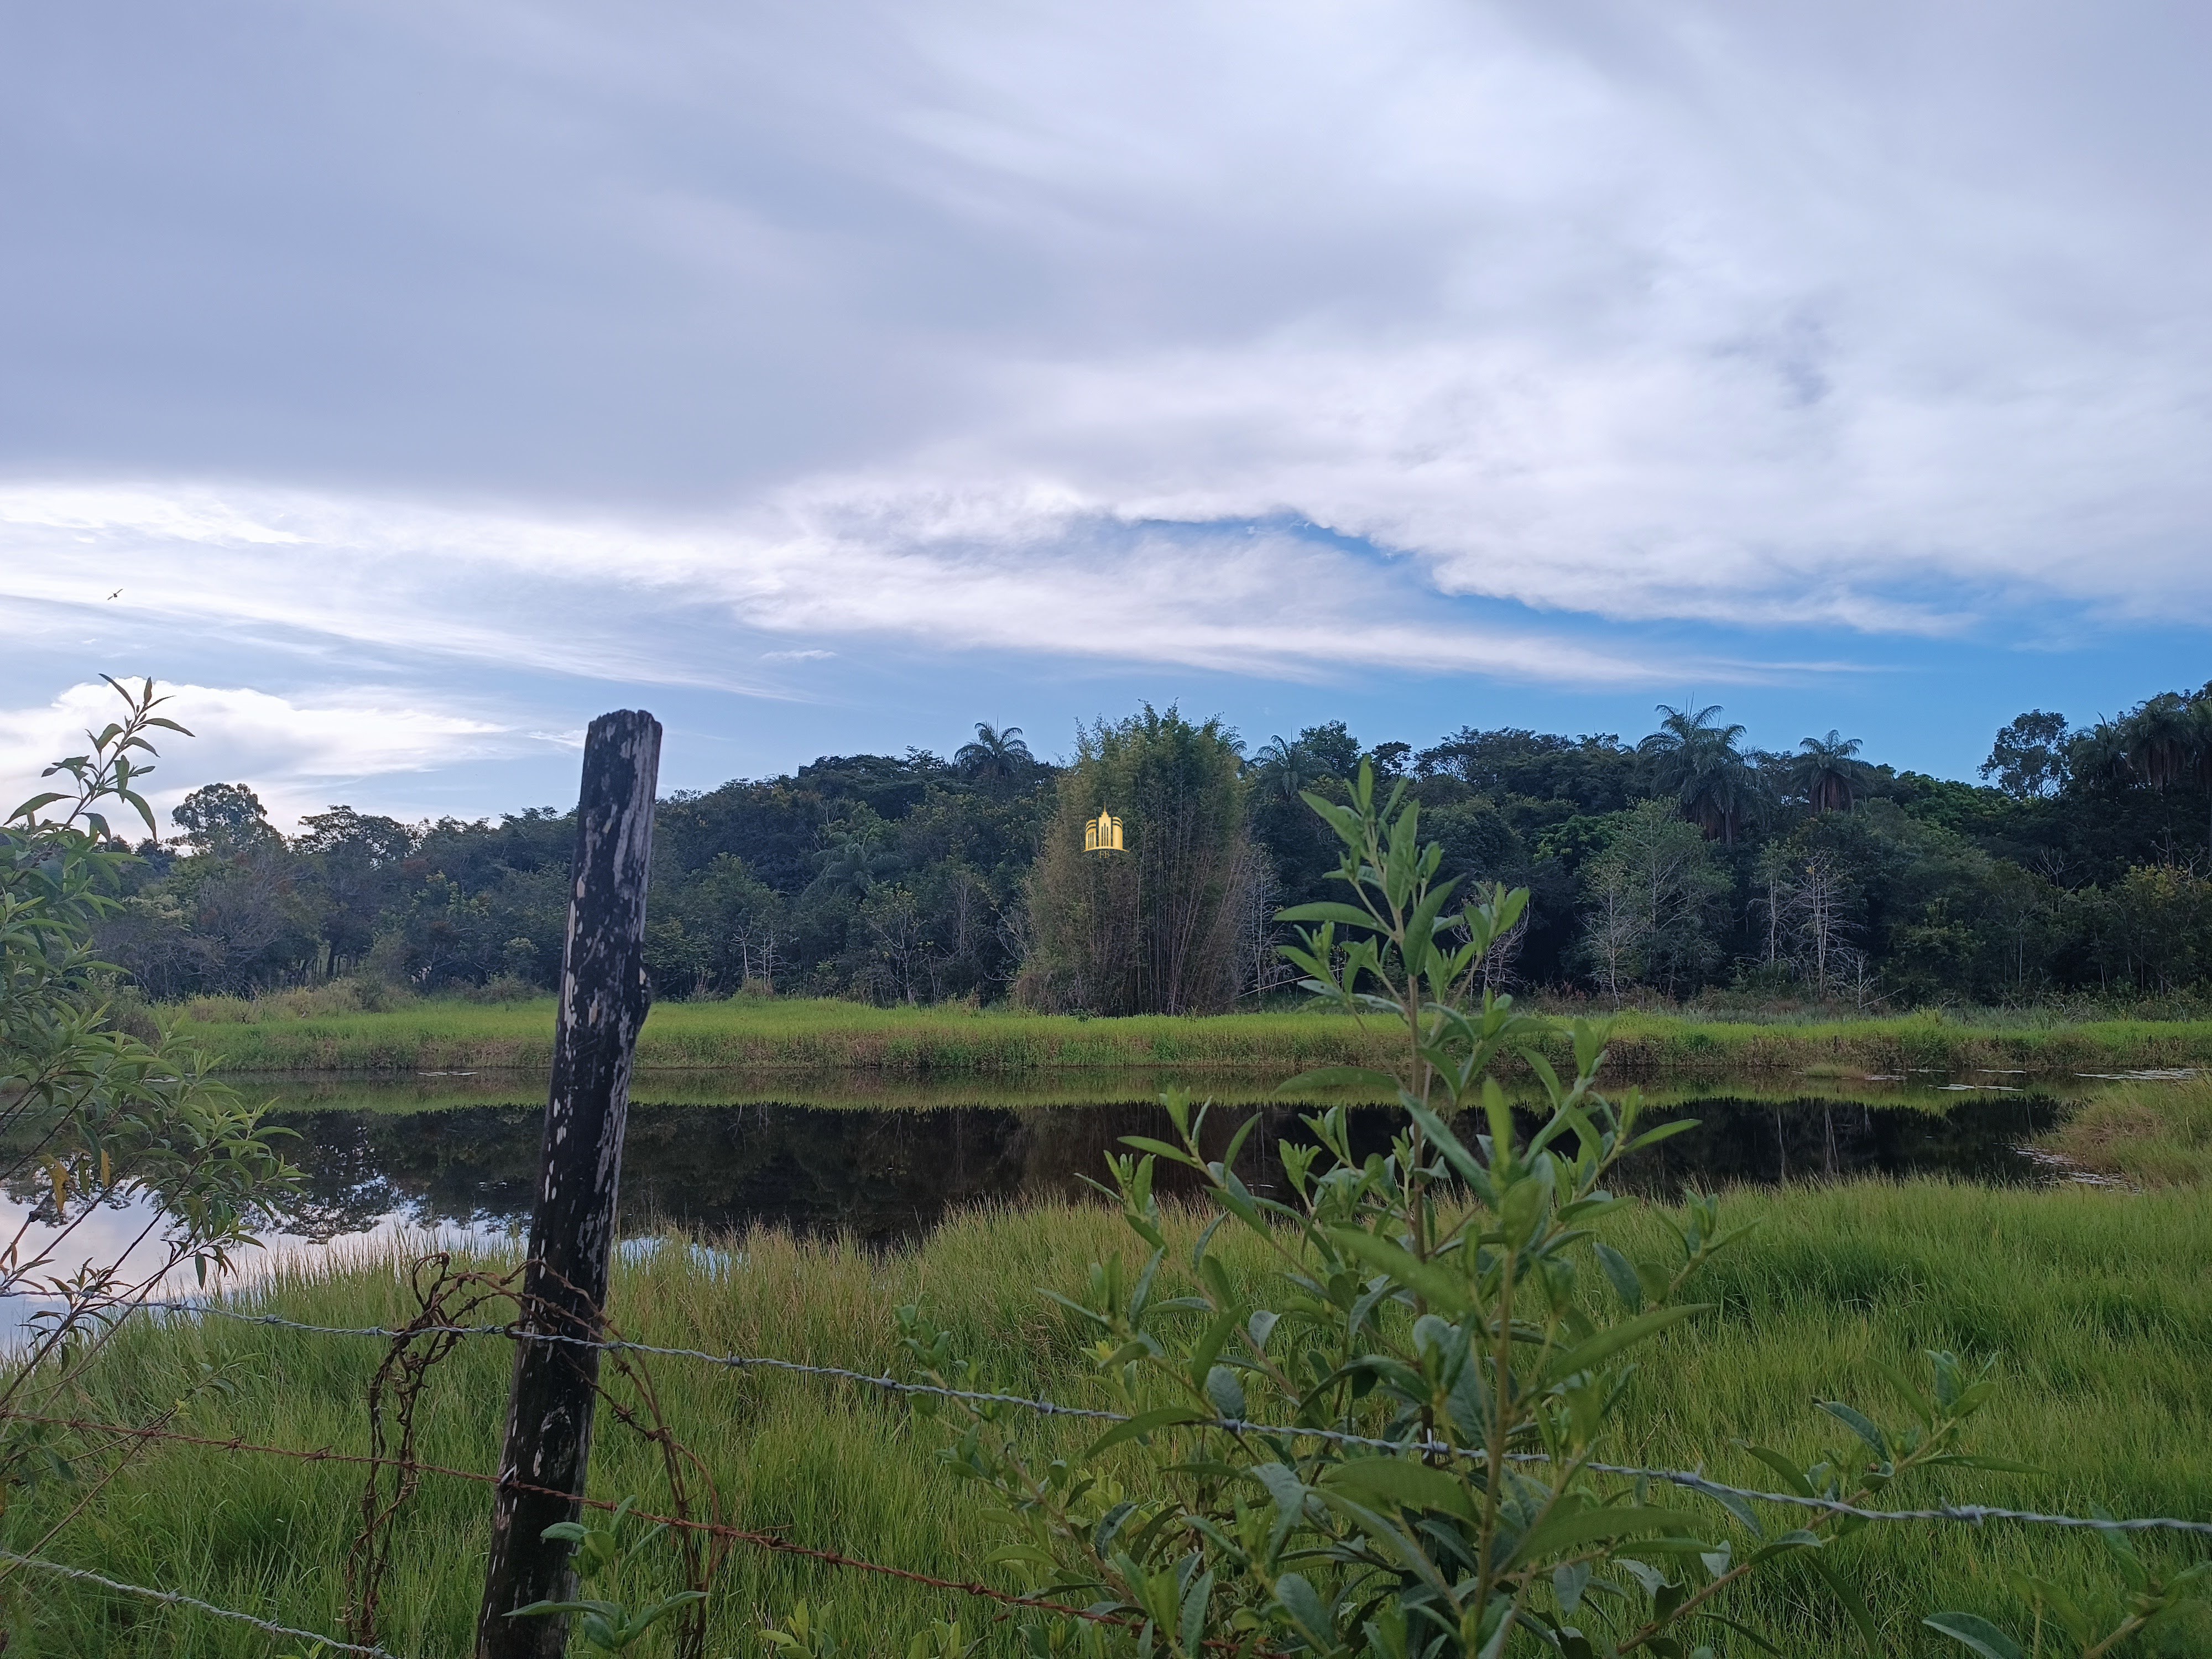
585	598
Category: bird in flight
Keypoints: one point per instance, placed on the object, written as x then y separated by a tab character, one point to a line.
117	594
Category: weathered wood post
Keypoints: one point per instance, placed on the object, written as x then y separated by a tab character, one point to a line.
603	1004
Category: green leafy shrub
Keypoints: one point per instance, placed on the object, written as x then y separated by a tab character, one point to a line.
93	1116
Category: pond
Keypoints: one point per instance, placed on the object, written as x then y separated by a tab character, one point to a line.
455	1155
886	1174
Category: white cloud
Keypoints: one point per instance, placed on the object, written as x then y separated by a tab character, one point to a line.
971	326
1038	575
292	755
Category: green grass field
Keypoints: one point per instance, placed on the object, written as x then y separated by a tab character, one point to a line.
2097	1304
952	1042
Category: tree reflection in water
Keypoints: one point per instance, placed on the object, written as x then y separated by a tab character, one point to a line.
887	1176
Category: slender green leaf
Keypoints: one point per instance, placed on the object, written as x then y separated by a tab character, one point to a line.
1743	1630
1854	1604
1792	1476
1445	1141
1406	1484
1565	1529
1681	1126
1226	1391
1621	1273
1394	1541
1161	1149
1585	1356
1298	1599
1348	916
1432	1283
1858	1425
1161	1417
1971	1630
1195	1603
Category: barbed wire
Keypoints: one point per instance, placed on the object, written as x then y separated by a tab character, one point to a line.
174	1599
1688	1479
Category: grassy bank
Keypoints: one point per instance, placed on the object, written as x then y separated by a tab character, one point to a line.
788	1033
836	1088
2097	1304
795	1033
2149	1134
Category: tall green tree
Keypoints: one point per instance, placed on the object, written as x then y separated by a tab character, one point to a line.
2029	759
1651	902
2097	756
1154	929
222	815
2151	932
355	864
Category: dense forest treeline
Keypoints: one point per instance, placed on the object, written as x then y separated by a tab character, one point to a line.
1685	864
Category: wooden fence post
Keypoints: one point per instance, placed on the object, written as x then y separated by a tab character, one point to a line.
603	1004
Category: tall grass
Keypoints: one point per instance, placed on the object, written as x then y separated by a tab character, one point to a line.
2097	1306
795	1033
2151	1134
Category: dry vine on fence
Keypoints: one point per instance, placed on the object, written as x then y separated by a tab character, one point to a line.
450	1303
444	1299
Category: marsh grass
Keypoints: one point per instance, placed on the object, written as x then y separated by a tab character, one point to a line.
2149	1134
2097	1306
818	1033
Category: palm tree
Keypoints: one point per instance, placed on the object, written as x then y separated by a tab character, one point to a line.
2169	740
852	866
1698	762
1285	769
2200	709
1827	773
2162	737
998	755
2099	755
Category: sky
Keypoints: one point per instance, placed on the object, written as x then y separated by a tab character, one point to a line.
405	384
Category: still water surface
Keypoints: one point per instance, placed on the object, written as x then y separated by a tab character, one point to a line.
456	1155
890	1175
